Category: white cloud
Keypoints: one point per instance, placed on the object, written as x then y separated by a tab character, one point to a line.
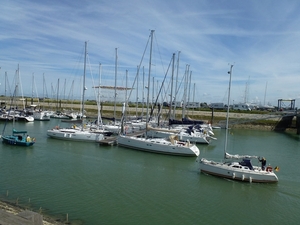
260	38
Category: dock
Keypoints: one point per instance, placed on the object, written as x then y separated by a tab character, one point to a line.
108	141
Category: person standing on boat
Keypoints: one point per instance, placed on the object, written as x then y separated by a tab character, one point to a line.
28	139
263	163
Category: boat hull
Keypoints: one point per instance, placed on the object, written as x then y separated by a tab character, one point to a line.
157	145
41	116
237	173
13	140
75	135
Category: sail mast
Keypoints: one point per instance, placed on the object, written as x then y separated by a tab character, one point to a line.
171	103
227	116
116	71
99	119
149	75
84	88
171	95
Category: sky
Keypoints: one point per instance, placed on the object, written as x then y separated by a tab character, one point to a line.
46	41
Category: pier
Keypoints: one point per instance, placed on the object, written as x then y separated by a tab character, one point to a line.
108	141
289	120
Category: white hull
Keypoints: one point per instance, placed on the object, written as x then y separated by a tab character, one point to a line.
138	125
75	135
234	171
158	145
42	116
58	116
112	128
24	118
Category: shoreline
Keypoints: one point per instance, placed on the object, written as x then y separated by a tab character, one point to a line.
14	209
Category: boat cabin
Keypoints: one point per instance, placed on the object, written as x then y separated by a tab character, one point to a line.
246	162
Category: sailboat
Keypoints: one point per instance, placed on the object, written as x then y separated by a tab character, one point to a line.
18	137
38	114
190	133
21	115
237	167
77	133
171	145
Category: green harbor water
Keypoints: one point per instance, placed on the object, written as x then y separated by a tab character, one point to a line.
112	185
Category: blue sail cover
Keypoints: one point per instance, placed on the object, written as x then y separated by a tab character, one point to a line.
19	131
247	162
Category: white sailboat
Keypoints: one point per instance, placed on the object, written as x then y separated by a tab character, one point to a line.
38	114
201	136
241	170
80	133
157	145
21	115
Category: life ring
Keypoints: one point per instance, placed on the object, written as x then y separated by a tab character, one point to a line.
269	169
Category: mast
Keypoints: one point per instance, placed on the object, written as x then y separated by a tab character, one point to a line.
43	87
171	95
185	90
5	89
98	100
32	90
194	99
20	84
116	70
149	75
84	88
143	93
152	103
189	83
227	116
137	92
126	100
57	95
44	90
177	70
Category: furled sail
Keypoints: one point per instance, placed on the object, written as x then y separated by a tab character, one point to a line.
229	156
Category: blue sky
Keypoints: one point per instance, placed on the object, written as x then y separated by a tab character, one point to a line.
261	39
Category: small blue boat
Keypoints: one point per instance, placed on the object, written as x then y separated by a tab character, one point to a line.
18	138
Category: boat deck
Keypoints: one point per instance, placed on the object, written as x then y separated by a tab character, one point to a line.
113	140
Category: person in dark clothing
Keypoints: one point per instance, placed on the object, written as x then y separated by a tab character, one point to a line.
263	163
